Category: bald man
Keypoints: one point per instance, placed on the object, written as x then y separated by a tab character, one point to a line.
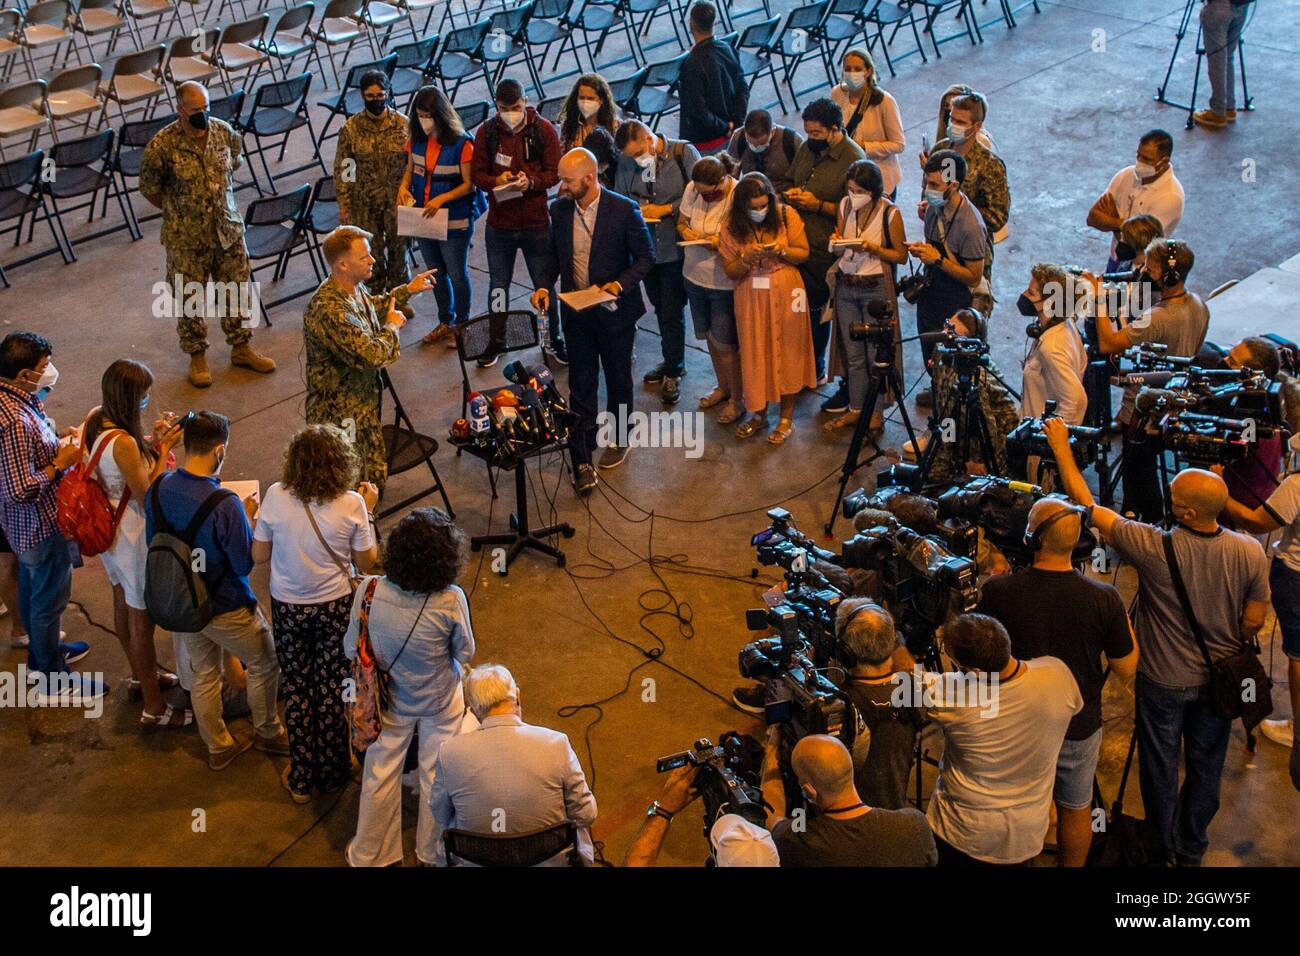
835	827
1099	631
1226	578
600	241
188	171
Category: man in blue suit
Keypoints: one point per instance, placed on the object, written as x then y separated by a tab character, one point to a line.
600	240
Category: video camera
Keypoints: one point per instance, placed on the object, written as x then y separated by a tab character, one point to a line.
963	354
727	777
1030	438
1000	507
880	330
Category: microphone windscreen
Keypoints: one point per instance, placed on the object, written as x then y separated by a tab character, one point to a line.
871	517
1150	400
516	372
505	397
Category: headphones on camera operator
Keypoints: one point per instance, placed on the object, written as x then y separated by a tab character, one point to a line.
1033	540
1171	276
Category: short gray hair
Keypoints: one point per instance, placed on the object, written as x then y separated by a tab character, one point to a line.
867	630
488	686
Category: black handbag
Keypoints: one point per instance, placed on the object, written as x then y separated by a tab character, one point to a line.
1232	678
1126	840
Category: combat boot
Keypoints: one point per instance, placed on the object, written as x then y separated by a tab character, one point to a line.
247	356
200	375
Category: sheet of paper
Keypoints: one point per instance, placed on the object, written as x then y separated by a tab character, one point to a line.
586	298
507	191
844	242
245	488
411	221
695	242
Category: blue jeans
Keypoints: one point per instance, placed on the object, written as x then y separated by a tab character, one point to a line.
539	258
1170	719
851	302
451	258
1221	25
44	586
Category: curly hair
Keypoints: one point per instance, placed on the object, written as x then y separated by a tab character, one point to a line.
319	464
425	552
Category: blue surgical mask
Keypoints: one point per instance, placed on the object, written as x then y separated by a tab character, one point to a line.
934	197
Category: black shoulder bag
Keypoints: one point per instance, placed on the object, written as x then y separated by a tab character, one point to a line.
1232	677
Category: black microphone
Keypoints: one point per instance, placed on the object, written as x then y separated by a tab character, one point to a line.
516	372
934	336
532	407
1132	275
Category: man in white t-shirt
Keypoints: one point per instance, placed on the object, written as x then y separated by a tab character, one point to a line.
1003	723
1148	186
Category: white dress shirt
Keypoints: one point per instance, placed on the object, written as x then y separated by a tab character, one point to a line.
584	226
1054	369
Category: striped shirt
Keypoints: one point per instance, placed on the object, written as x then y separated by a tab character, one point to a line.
28	445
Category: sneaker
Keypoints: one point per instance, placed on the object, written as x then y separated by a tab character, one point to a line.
488	361
73	690
750	699
221	759
838	403
585	480
1210	119
277	746
1279	731
294	795
558	351
615	455
670	391
925	398
74	651
655	375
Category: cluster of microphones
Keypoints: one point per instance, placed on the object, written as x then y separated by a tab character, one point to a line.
527	415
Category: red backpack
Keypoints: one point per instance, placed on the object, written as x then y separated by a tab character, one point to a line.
84	514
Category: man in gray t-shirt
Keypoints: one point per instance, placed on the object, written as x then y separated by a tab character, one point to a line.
1225	575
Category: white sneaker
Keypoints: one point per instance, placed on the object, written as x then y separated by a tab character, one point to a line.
72	689
21	643
1279	731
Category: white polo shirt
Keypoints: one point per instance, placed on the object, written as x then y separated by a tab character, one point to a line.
1162	198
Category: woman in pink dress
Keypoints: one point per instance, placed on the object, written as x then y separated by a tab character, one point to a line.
761	246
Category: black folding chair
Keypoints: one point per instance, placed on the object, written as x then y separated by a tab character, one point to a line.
408	76
520	849
278	109
132	138
507	42
461	59
228	108
587	17
799	39
549	108
474	115
548	25
657	95
625	89
21	196
754	51
289	37
893	15
275	229
322	219
348	100
82	167
931	10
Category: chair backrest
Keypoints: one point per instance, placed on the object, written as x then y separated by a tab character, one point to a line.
550	9
294	20
290	93
323	190
188	44
10	21
22	94
141	61
415	55
509	331
665	73
626	89
467	40
280	208
342	9
729	38
94	148
549	108
245	31
522	849
848	8
76	77
48	12
385	66
757	36
96	5
322	215
807	17
228	108
512	21
472	115
137	133
21	172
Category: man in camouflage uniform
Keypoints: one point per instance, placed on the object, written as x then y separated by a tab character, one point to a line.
985	184
350	337
368	168
187	170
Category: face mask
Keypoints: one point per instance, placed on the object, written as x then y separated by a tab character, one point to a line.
710	195
588	108
759	148
49	378
199	120
958	134
818	146
1143	171
1124	252
144	403
757	216
855	79
934	197
426	124
858	201
646	160
1027	306
513	118
376	107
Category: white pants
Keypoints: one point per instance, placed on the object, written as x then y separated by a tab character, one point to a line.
379	821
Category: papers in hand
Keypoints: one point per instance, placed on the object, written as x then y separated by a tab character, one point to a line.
844	242
695	242
245	488
411	221
586	298
507	191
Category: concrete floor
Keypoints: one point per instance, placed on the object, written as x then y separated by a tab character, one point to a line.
664	532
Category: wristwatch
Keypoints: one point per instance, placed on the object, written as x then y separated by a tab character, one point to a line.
656	810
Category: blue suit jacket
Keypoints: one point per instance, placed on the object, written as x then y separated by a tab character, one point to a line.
621	251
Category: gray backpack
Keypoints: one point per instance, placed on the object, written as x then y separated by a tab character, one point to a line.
175	593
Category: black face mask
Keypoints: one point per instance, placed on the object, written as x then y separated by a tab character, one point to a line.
1124	252
199	120
818	146
376	107
1027	307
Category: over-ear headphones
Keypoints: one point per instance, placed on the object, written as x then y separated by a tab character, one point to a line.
1033	540
1171	276
1035	329
847	657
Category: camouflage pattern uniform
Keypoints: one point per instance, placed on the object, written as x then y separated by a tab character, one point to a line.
986	186
192	181
347	344
368	168
1000	410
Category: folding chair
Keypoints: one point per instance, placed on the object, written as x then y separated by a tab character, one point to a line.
339	26
474	115
1009	12
275	229
754	51
82	168
550	107
348	100
134	80
11	23
20	113
94	18
412	7
507	42
408	75
128	150
625	89
520	849
799	39
73	92
159	11
547	25
933	9
376	16
657	96
45	24
278	108
289	37
460	58
187	60
21	196
588	17
891	15
322	218
844	24
235	51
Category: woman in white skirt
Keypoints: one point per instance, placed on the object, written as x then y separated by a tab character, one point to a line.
128	465
420	631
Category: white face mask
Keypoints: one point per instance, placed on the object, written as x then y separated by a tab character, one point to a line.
957	133
756	147
513	118
49	378
646	160
855	79
1143	171
757	216
588	108
858	200
426	124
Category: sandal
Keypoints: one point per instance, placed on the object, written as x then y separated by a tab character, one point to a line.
732	413
166	681
845	420
781	432
171	718
715	397
751	426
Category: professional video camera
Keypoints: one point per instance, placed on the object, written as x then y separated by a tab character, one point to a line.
959	537
728	776
1000	507
879	330
963	354
1029	438
812	598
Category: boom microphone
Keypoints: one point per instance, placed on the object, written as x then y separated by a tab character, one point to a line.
1156	400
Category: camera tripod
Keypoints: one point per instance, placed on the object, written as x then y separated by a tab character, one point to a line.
1201	52
970	423
882	378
